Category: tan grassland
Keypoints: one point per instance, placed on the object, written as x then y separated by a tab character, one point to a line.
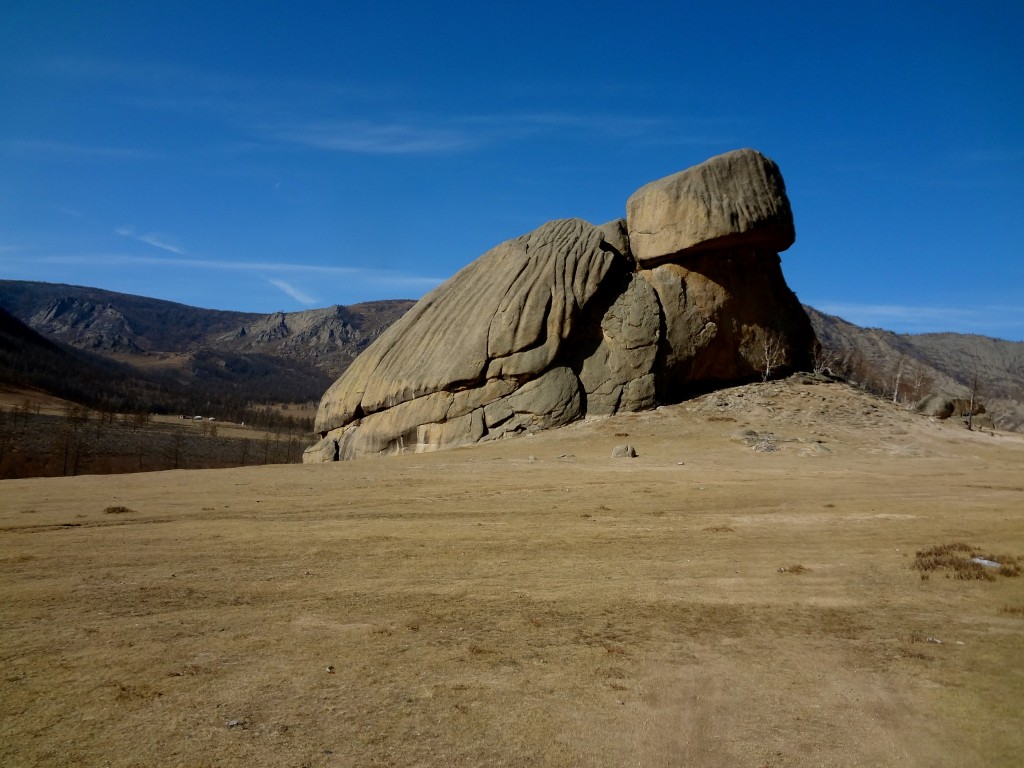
532	601
14	397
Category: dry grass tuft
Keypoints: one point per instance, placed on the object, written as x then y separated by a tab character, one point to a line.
1006	567
795	568
119	510
958	559
1013	610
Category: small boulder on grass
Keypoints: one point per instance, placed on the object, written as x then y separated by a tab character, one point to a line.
624	451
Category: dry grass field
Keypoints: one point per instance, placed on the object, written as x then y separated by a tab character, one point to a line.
743	593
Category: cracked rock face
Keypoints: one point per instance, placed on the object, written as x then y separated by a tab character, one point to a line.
573	320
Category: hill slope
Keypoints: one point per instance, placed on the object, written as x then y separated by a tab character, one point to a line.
121	324
28	359
947	363
282	356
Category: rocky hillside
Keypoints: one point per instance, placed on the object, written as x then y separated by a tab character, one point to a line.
120	324
910	367
29	360
282	356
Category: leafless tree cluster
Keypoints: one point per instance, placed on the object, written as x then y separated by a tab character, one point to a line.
904	380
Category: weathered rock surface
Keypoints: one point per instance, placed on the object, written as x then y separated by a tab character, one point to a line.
564	322
734	199
942	406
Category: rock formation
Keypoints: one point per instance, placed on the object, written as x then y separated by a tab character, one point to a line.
571	320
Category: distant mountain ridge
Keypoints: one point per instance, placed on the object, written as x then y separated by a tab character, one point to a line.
124	326
173	357
296	355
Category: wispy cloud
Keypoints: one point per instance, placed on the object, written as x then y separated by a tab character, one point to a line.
157	241
333	116
367	137
925	319
295	293
73	212
388	278
427	134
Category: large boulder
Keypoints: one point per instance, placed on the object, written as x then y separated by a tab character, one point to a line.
735	199
569	321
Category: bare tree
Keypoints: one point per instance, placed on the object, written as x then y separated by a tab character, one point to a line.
920	381
899	375
823	359
293	443
773	353
974	400
173	452
24	410
6	433
137	420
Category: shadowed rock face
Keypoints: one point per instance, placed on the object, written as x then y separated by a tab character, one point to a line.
573	320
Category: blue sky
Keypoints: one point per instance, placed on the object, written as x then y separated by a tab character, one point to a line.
271	156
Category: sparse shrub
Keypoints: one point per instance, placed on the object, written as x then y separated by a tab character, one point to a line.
119	510
1008	569
795	568
958	560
